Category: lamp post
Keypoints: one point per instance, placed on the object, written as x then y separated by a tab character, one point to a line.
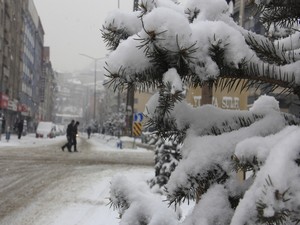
95	79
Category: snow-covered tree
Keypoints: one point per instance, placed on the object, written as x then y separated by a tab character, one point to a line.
116	122
167	46
167	156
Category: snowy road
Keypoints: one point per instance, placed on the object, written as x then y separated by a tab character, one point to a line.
43	185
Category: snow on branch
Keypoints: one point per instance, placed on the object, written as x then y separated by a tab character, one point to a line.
138	205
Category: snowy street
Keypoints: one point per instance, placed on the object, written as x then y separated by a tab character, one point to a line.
41	184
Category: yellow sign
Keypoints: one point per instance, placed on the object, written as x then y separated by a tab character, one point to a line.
137	129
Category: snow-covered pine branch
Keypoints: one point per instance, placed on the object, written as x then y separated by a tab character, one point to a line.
174	47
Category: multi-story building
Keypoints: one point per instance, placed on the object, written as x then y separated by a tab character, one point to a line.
33	40
21	63
47	87
11	45
70	99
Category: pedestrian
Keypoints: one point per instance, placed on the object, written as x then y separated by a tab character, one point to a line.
89	130
69	136
3	124
20	128
7	137
2	121
74	135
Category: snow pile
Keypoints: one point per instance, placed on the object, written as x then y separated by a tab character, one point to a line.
29	140
277	187
119	19
208	9
264	104
137	204
172	77
215	208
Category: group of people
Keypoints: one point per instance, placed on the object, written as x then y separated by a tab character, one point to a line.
5	129
72	131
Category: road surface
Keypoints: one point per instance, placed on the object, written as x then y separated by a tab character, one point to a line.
37	185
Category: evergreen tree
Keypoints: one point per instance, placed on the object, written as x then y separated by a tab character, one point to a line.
168	47
115	122
167	156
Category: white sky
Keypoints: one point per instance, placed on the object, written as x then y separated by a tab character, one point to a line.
73	27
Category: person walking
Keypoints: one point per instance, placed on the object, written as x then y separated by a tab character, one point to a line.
74	135
89	130
2	125
20	128
7	136
69	136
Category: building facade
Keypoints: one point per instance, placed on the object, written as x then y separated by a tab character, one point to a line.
32	65
47	88
11	61
21	62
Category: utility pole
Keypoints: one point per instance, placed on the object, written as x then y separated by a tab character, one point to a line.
130	93
95	81
242	12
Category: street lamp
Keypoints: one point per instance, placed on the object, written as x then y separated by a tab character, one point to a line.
95	80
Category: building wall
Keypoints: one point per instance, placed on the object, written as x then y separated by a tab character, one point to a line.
1	40
140	101
244	15
11	31
234	99
21	46
6	44
33	41
17	60
47	86
38	70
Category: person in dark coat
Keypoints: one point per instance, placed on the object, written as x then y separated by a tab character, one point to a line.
3	125
69	136
74	135
20	128
89	130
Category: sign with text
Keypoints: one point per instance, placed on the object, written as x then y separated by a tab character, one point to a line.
3	101
226	102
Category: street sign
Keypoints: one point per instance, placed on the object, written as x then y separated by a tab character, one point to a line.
137	129
138	117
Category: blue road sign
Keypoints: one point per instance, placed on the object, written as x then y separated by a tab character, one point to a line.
138	117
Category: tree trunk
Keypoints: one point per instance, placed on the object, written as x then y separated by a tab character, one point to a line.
206	94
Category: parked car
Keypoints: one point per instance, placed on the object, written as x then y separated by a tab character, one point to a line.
45	129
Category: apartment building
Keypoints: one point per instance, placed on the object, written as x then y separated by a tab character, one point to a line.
47	88
11	48
21	61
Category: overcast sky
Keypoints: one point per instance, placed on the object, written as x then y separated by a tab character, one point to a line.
73	27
